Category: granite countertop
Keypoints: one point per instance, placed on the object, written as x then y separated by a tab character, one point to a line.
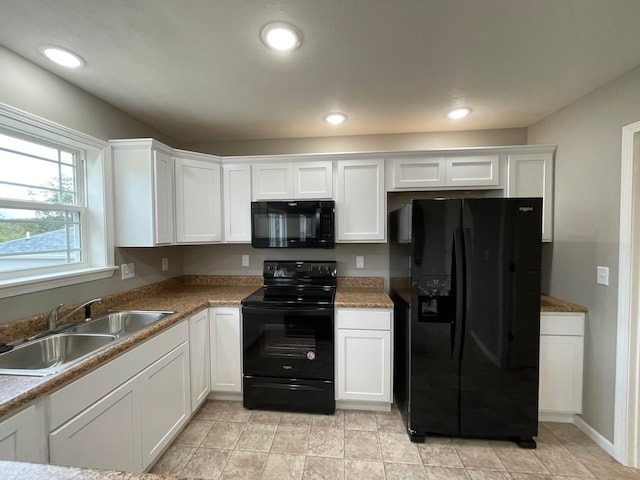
185	300
553	304
36	471
359	297
186	297
362	292
16	391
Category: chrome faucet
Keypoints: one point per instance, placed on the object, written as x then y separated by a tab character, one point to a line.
53	315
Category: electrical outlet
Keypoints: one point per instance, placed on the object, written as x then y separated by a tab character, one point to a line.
245	260
128	270
602	275
165	264
359	261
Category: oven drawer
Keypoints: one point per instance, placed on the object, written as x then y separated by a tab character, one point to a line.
311	396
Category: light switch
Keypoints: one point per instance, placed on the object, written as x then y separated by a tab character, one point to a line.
359	261
165	264
245	260
602	275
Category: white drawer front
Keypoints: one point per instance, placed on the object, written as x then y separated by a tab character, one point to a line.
364	319
562	323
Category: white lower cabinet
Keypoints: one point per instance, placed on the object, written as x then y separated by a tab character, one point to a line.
123	414
363	355
166	402
226	349
105	435
23	436
199	358
561	362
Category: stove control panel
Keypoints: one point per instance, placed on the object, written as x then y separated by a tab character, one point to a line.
299	269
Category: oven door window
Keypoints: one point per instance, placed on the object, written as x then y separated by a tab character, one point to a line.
297	344
288	341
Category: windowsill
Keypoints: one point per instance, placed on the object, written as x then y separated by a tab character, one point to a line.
10	288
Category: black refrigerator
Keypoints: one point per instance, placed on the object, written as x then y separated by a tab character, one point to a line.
465	282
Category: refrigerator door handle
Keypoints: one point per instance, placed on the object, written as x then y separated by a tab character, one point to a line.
460	289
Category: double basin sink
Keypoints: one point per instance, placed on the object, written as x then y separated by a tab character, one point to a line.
53	353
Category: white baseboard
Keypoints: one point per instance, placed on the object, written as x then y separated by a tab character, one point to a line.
602	442
361	405
236	397
556	417
577	420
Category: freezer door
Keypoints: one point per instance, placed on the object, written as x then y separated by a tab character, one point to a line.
499	358
435	321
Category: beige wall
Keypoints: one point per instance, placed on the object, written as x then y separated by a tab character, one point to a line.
226	259
30	88
586	224
365	143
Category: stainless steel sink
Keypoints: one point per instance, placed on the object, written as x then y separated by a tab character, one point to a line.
51	354
122	323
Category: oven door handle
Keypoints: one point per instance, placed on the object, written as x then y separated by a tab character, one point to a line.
288	308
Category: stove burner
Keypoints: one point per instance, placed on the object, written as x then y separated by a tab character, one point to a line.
288	283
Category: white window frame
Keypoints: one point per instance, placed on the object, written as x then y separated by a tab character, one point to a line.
98	222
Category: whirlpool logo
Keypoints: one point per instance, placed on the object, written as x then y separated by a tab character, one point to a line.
525	209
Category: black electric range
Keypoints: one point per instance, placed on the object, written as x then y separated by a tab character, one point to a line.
288	344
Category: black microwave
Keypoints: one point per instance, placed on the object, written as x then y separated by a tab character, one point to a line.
307	224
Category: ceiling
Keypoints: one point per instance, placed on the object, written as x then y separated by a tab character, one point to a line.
197	71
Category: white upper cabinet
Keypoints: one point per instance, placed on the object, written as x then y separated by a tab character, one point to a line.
143	193
473	171
411	172
313	179
418	173
292	180
272	181
236	185
198	200
163	197
531	175
361	201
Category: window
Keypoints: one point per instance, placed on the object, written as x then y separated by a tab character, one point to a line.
54	222
42	205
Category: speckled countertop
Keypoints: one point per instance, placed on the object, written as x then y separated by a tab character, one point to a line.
185	298
553	304
34	471
185	295
16	391
362	292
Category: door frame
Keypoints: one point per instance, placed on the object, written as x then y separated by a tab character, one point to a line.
627	386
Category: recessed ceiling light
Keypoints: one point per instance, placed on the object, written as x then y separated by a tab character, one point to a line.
280	36
458	113
62	57
335	118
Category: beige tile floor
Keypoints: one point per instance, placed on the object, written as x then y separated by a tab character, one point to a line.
225	441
